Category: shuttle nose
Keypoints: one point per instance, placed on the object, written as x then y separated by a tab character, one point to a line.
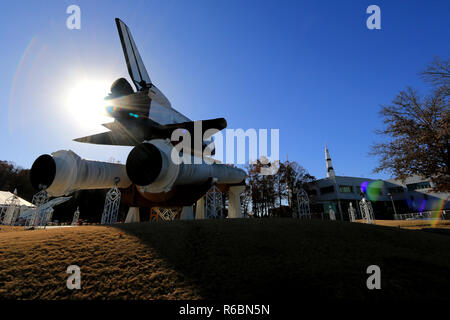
144	164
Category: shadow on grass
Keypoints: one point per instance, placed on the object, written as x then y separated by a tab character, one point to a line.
291	259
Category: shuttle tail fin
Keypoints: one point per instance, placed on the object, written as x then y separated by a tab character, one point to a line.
135	65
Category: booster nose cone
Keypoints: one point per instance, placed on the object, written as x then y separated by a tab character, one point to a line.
43	172
144	164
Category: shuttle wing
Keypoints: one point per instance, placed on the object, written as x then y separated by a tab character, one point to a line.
133	132
111	138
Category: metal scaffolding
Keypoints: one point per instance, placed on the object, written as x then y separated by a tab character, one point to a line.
40	215
213	203
303	210
111	209
331	213
167	214
351	213
76	216
10	212
367	211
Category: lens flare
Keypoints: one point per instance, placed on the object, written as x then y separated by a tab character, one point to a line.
437	212
372	189
422	206
364	186
29	59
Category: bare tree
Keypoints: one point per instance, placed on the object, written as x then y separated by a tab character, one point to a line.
438	73
296	177
418	131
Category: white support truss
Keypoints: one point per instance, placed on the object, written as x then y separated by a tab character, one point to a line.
48	215
10	212
303	210
331	213
213	203
351	213
111	209
76	216
167	214
40	216
367	211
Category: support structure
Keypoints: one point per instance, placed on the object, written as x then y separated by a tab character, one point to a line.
213	203
76	216
48	215
40	214
234	201
358	209
200	209
303	210
187	213
367	211
331	213
167	214
351	213
111	209
133	215
210	206
10	212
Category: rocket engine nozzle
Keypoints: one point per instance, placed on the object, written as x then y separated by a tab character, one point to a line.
150	166
43	172
144	164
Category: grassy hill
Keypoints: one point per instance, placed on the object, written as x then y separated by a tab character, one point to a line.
223	259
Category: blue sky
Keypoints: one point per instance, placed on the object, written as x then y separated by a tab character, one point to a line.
309	68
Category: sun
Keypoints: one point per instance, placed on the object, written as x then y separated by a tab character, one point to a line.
85	101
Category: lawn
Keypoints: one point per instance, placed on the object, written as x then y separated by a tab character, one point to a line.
226	259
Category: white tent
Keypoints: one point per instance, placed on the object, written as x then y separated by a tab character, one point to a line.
5	195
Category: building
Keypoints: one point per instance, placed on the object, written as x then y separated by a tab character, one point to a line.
412	195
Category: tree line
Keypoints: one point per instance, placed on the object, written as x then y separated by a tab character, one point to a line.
14	177
276	194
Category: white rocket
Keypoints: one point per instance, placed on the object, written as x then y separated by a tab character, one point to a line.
330	170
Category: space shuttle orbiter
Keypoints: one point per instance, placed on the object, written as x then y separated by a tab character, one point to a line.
145	114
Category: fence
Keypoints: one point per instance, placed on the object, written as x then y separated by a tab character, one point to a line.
442	215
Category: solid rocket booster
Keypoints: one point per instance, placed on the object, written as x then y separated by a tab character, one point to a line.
64	172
